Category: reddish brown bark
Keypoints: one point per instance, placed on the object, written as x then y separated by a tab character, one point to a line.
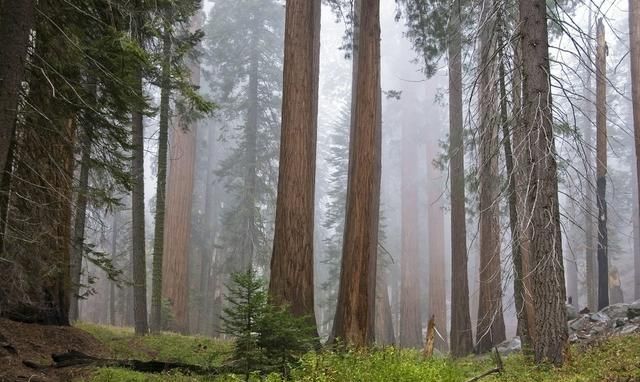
292	260
461	335
354	321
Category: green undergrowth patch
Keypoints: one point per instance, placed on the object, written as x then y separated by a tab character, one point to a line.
168	347
609	360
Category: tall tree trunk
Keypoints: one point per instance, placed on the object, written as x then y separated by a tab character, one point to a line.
178	223
81	210
461	335
490	326
410	304
15	29
292	260
636	236
590	242
248	248
138	255
516	245
437	305
354	321
178	209
5	189
161	183
114	254
634	42
601	167
549	294
384	320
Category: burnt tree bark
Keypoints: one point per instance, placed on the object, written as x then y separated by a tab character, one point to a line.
15	29
601	166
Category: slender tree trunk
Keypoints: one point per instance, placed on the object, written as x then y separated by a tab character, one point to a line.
601	167
549	294
490	329
114	255
634	42
410	304
161	183
15	29
354	321
292	260
5	190
461	335
590	242
81	210
516	249
138	255
437	305
636	237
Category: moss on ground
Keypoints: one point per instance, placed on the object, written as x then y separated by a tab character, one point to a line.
613	360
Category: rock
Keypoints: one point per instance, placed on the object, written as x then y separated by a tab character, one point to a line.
573	338
634	310
620	323
616	311
599	317
579	323
510	346
572	312
628	330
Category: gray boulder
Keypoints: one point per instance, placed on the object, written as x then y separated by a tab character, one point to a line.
633	310
510	346
572	312
600	317
616	311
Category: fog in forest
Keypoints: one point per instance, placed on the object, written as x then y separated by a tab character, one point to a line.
233	196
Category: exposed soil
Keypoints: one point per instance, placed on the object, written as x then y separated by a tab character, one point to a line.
34	344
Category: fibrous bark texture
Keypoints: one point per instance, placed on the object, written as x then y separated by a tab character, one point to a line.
543	212
354	322
15	28
490	328
461	335
292	261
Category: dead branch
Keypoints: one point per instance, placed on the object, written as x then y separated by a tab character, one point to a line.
498	369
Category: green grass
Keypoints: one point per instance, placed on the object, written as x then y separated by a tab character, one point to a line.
613	360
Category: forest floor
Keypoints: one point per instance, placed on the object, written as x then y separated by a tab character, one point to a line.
612	359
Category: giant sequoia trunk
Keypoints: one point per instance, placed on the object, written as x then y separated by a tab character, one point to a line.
461	335
177	234
354	321
292	260
490	326
5	189
15	28
543	212
601	167
161	184
437	289
410	307
634	42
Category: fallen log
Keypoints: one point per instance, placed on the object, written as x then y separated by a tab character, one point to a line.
79	359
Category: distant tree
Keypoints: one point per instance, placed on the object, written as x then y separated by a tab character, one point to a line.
244	51
634	43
